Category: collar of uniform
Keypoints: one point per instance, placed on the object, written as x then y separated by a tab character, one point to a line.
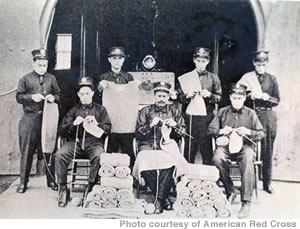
237	111
116	74
202	73
89	106
161	109
36	74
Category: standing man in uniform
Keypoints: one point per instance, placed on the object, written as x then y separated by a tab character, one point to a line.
116	58
33	89
264	94
201	91
245	123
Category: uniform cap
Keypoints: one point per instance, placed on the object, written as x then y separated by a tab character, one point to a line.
116	51
261	56
161	86
40	54
86	81
238	89
202	53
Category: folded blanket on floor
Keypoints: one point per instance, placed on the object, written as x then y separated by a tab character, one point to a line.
106	171
180	211
216	193
186	202
194	185
114	159
124	194
202	172
197	213
208	186
96	196
122	171
109	192
220	202
182	192
209	212
224	213
199	195
92	204
204	203
110	203
118	183
127	203
116	213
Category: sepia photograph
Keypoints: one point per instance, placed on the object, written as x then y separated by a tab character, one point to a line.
150	110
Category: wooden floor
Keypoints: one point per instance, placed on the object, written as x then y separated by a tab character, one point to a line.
41	202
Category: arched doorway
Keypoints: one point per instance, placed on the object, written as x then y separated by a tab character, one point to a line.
175	27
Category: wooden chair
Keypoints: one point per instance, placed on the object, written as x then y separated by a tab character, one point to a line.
80	167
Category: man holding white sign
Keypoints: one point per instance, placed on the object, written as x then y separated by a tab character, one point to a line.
120	97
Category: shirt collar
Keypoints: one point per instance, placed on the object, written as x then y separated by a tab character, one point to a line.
202	73
89	106
160	109
237	111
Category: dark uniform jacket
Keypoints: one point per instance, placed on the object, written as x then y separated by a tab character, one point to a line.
67	129
245	117
31	84
146	134
210	82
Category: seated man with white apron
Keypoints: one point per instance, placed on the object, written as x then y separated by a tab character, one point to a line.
159	159
236	126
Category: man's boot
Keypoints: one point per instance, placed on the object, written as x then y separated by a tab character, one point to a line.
63	196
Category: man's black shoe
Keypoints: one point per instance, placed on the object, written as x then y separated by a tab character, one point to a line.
63	196
53	186
269	189
158	207
21	188
168	205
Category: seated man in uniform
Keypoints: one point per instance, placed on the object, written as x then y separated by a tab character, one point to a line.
84	126
158	154
239	120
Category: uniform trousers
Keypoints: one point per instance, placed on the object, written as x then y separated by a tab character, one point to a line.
92	150
269	121
124	143
30	143
245	159
197	126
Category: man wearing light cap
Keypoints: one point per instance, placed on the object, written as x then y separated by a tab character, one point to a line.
33	89
264	95
84	126
157	125
241	121
117	77
200	91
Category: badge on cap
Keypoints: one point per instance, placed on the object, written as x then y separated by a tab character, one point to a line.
43	52
162	83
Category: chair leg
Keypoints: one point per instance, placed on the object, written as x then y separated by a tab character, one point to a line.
255	180
73	177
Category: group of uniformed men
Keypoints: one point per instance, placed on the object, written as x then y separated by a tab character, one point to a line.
199	89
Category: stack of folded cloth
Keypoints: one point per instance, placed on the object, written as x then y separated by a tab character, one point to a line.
198	195
116	184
